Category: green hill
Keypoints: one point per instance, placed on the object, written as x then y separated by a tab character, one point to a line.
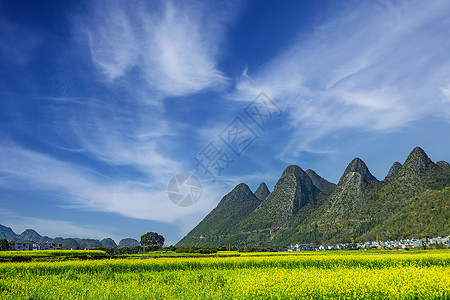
221	221
412	201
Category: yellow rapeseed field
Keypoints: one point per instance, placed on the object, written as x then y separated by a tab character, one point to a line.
254	276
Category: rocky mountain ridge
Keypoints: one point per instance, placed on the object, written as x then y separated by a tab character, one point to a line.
69	243
412	200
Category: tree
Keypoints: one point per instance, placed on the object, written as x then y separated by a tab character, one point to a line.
152	239
4	245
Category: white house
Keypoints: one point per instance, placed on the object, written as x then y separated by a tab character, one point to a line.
23	246
302	247
49	246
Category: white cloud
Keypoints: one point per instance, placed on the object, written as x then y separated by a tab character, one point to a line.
84	189
172	48
119	133
372	67
172	45
113	45
119	144
446	93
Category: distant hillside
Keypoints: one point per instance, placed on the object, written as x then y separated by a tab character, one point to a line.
32	235
7	233
68	243
412	201
128	242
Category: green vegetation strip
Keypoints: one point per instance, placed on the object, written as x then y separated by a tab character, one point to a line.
16	256
312	275
287	262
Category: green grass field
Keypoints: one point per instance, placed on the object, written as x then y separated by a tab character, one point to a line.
50	255
310	275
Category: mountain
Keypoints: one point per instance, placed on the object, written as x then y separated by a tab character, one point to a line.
89	243
426	214
108	243
322	184
68	243
349	198
296	195
415	201
128	242
262	192
29	234
396	166
412	201
413	172
293	194
7	233
32	235
243	219
363	208
220	222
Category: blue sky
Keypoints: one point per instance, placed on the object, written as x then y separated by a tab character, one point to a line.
103	102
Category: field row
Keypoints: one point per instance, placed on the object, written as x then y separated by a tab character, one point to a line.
224	263
309	276
61	255
14	256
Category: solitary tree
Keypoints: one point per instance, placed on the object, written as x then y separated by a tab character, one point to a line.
153	240
4	245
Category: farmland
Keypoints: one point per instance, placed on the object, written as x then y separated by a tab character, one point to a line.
50	255
310	275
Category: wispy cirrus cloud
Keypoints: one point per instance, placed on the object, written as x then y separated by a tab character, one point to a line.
372	67
119	139
172	46
150	50
115	133
446	93
126	135
84	188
